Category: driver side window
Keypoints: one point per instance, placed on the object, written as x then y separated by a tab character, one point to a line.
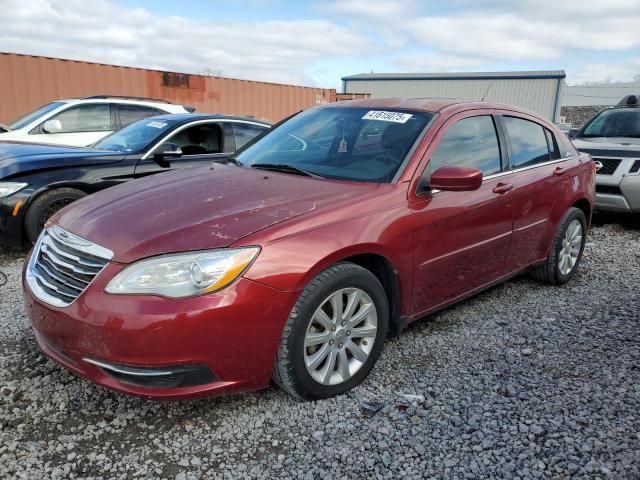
199	139
470	142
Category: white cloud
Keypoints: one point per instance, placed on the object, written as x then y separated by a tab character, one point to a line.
105	32
477	33
436	62
613	71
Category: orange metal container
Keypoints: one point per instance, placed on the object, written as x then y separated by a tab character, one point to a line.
27	82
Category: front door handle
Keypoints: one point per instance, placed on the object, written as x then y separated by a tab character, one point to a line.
560	171
502	188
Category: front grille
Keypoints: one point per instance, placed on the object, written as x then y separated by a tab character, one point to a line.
610	190
609	165
635	168
63	265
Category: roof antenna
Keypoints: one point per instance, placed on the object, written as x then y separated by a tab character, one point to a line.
485	93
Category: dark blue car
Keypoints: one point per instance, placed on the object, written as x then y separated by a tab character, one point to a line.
37	180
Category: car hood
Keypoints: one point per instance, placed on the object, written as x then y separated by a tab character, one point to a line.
22	157
198	208
619	146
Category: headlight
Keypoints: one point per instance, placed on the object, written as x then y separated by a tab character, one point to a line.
8	188
184	274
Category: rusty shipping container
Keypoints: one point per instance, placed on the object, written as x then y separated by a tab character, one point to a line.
27	82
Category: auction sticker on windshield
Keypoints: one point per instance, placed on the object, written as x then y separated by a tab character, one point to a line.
387	116
156	124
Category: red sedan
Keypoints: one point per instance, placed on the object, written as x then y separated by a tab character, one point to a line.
296	259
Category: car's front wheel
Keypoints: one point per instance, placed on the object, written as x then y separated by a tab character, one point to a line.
44	206
334	334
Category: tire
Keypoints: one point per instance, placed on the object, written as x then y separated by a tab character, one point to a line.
345	282
44	206
552	271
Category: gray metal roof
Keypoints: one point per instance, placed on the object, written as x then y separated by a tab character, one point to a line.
458	75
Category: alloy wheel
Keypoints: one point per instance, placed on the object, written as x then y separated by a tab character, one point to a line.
571	245
340	336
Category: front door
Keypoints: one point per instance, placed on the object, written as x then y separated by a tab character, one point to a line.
462	238
200	144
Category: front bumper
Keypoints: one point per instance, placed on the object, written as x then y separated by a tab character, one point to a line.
627	199
234	334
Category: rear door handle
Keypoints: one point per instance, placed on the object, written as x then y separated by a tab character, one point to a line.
560	171
502	188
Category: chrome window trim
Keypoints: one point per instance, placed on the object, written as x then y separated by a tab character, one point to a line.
517	170
200	122
542	164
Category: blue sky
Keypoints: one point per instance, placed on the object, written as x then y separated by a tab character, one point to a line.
318	42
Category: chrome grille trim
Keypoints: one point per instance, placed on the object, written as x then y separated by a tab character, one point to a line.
63	265
609	165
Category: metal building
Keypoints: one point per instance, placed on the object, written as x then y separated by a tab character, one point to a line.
538	91
600	94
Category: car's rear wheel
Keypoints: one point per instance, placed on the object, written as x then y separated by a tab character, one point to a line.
334	334
45	206
566	251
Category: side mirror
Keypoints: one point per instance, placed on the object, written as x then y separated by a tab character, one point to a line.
456	179
168	150
52	126
164	152
572	133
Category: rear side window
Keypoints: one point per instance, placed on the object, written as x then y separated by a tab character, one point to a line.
132	113
528	142
243	133
471	142
85	118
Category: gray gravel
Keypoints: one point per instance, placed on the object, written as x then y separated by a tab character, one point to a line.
523	381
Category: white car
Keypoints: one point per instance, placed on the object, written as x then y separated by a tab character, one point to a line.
83	121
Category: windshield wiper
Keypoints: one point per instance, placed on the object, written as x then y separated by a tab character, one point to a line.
283	167
228	160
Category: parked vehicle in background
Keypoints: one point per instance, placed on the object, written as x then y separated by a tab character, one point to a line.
83	121
612	137
565	128
297	258
38	180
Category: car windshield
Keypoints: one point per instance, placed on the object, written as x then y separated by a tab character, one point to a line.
616	122
27	119
136	137
345	143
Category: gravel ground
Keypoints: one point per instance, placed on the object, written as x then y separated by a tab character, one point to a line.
523	381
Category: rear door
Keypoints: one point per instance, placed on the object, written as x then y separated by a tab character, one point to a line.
462	238
127	114
542	167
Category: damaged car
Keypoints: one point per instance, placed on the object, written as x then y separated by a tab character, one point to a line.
296	258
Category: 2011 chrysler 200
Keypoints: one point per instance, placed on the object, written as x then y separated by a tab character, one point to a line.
298	257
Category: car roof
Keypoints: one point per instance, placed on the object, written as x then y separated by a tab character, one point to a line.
189	117
429	104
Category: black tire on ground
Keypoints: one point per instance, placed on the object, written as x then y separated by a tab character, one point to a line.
289	369
549	271
44	206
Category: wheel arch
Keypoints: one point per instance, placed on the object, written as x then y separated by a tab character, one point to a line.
586	207
381	264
